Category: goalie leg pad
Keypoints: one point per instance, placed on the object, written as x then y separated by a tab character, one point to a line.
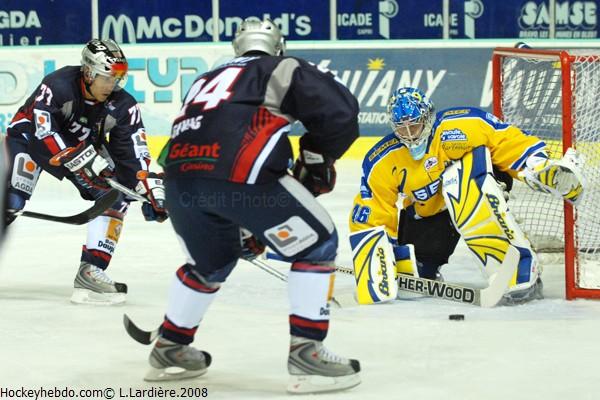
406	262
374	271
480	213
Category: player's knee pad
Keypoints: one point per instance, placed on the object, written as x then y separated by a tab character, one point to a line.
324	253
206	281
477	207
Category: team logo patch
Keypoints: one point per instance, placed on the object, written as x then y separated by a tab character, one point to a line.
430	163
43	123
453	135
114	229
25	173
140	145
292	236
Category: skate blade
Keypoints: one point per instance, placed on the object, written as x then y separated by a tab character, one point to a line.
86	296
301	384
172	374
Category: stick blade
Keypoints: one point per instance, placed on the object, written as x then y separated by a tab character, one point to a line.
137	334
82	218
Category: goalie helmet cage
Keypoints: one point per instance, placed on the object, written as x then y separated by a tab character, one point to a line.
553	94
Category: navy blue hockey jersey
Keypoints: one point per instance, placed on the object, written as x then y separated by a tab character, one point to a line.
57	116
234	121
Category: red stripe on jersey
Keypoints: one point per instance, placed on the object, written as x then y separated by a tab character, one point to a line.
263	126
21	115
308	323
193	283
51	144
172	327
305	267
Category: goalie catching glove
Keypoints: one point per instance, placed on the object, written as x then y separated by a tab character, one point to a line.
151	187
314	170
562	178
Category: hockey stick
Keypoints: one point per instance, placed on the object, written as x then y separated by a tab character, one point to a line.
137	334
269	270
125	190
487	297
277	257
101	205
281	276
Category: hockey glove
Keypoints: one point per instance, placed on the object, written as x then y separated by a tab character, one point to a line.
315	171
151	186
562	178
86	164
252	247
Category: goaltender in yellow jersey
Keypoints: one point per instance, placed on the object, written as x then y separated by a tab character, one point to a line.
389	170
436	177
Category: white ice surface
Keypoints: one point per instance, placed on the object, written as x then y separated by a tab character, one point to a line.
408	349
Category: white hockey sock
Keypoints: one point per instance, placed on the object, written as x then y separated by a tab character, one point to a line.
310	288
102	238
188	300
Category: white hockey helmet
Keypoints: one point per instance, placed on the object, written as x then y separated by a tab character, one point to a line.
255	35
104	57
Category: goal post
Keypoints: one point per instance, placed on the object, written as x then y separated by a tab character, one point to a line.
555	95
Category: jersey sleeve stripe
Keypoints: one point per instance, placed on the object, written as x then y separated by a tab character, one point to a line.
54	143
531	150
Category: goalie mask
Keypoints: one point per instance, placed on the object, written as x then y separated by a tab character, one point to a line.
410	113
254	35
104	59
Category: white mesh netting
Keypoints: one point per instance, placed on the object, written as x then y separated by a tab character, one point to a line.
532	100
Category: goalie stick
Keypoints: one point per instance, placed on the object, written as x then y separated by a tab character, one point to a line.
486	297
101	205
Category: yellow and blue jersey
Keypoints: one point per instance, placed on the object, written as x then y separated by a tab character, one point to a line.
391	176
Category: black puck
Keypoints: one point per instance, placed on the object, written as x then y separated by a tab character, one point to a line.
456	317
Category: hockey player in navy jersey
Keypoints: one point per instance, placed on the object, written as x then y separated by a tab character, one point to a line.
63	129
230	144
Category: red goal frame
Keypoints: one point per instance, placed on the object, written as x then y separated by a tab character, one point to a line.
572	290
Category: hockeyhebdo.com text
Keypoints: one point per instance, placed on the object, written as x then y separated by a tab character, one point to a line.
103	393
235	200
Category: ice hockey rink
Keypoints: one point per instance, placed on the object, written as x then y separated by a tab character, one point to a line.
547	349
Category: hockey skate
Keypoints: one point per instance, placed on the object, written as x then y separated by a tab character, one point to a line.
314	369
93	286
173	361
535	292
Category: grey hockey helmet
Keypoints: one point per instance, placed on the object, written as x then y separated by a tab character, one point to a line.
104	57
255	35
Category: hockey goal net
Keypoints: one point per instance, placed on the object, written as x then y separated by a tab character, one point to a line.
555	95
